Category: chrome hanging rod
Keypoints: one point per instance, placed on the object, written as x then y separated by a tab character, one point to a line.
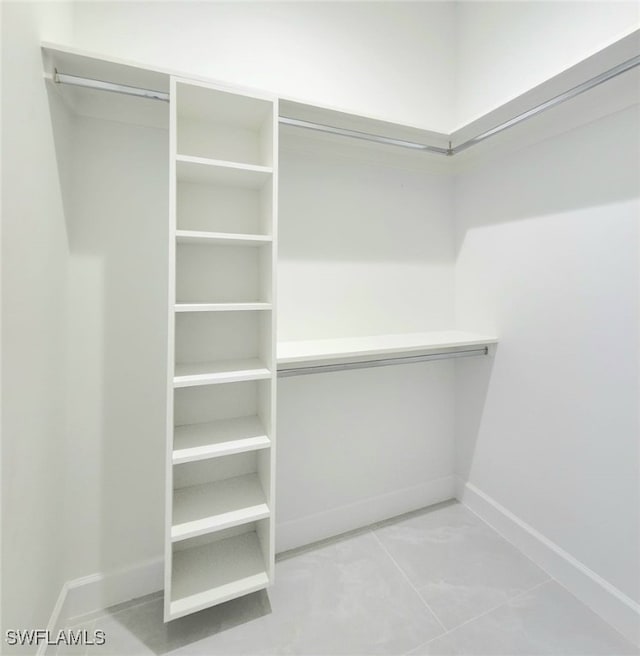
548	104
367	364
365	136
62	78
74	80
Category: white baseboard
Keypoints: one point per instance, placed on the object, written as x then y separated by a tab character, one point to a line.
598	594
93	593
311	528
98	591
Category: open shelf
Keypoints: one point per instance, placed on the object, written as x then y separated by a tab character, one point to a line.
215	123
219	213
212	273
200	509
201	170
222	371
214	573
219	534
222	238
354	349
218	438
221	307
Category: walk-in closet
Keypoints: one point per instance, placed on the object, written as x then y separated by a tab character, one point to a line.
320	328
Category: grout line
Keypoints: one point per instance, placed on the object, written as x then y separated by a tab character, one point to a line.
515	546
410	582
490	610
550	576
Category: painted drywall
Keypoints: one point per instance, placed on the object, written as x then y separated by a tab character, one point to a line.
385	59
547	242
436	65
365	247
34	267
116	344
503	49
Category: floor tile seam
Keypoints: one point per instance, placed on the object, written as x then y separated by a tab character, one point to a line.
488	611
550	577
507	540
597	614
411	584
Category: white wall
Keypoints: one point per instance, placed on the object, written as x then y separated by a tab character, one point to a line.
389	60
548	255
116	343
505	48
365	247
34	265
365	244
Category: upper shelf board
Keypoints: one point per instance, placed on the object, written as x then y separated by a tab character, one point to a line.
200	170
231	239
376	347
82	63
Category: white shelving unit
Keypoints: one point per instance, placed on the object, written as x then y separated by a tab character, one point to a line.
219	541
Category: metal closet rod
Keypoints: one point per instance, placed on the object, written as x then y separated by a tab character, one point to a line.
62	78
383	362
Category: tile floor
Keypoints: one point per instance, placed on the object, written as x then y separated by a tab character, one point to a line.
438	581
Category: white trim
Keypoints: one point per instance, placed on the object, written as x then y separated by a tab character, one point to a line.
54	620
598	594
312	528
98	591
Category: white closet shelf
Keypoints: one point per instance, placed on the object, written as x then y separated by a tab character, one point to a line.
221	307
376	347
220	371
210	507
222	238
201	170
218	438
216	572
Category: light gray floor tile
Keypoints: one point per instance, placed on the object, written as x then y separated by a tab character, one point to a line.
140	630
547	621
343	598
459	565
73	650
350	597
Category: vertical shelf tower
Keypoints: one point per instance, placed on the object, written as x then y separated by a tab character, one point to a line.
220	479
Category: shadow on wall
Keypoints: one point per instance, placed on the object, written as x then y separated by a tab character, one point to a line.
114	184
337	209
534	231
472	381
589	166
547	257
